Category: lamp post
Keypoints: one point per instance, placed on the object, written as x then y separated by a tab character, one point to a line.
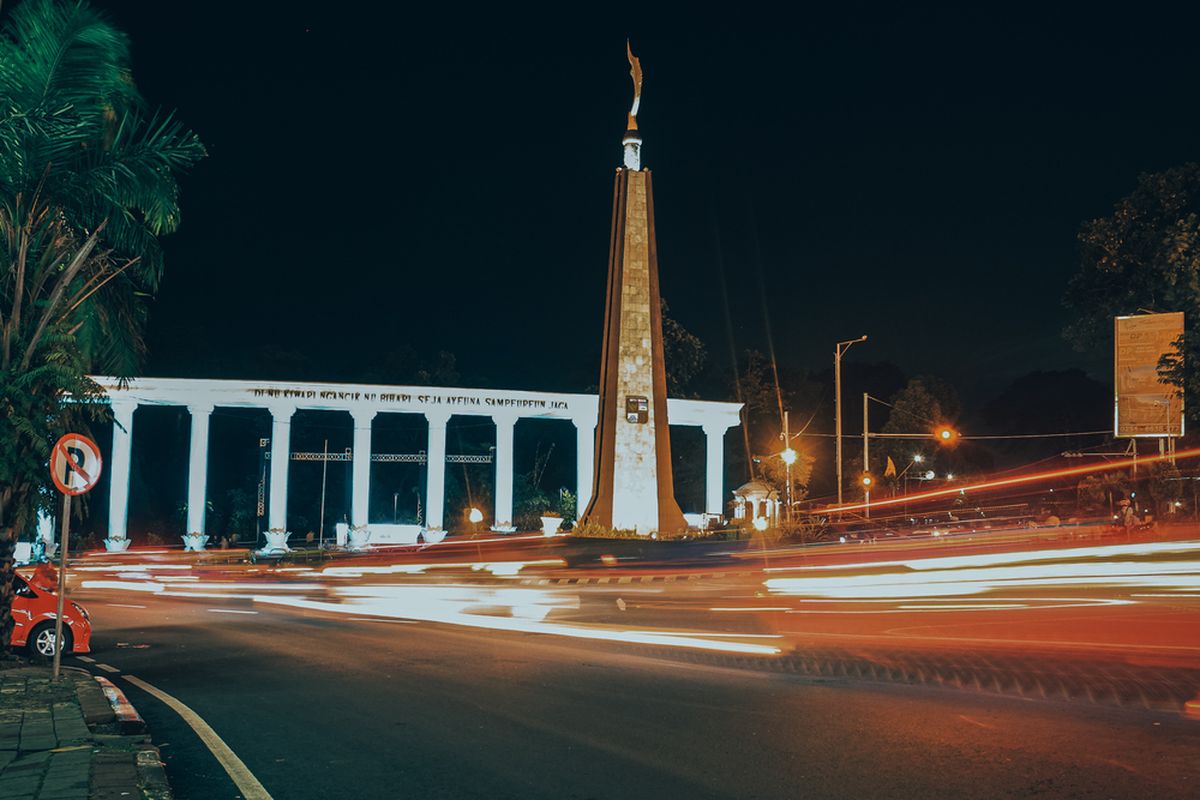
789	457
838	351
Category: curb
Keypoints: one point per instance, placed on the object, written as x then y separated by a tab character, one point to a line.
1031	676
151	775
126	716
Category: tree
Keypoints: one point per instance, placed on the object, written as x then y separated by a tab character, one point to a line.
87	185
683	356
1146	254
763	422
923	405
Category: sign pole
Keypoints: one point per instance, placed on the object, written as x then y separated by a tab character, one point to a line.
75	465
63	545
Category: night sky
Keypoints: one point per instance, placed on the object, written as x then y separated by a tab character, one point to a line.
379	179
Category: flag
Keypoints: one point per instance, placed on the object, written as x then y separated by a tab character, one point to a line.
890	471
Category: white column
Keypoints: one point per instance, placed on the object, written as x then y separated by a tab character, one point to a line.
714	463
118	488
360	493
281	456
45	528
504	469
198	468
585	461
435	472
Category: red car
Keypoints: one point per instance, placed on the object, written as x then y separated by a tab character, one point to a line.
34	609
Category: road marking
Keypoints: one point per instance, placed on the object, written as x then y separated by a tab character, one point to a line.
965	718
245	781
86	660
123	605
107	668
230	611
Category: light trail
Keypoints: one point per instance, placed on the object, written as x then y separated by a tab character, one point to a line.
903	585
1010	557
459	617
1018	480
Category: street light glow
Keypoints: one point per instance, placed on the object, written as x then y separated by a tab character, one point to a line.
760	523
788	456
475	516
918	458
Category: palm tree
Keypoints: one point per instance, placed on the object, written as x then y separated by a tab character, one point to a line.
88	182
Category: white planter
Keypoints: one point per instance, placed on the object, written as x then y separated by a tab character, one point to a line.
117	545
276	542
357	538
550	525
193	541
433	535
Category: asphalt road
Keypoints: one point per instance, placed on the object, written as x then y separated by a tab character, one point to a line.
320	705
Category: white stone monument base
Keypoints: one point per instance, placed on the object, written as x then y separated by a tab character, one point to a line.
381	534
193	542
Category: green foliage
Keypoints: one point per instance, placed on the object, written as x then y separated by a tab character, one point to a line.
1145	255
684	356
763	420
87	184
592	530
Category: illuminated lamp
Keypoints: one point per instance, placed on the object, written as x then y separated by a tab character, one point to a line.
788	456
945	434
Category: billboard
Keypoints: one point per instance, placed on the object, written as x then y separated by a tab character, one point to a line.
1145	406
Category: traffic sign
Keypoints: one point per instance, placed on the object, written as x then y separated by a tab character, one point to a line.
75	464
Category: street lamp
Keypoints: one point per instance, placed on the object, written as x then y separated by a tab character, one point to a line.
838	351
789	457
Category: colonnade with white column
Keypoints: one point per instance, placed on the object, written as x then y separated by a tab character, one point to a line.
202	397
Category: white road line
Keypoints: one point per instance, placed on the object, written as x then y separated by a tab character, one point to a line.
86	660
107	668
245	781
230	611
123	605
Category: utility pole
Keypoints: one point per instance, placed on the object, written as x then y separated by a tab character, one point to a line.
787	446
324	471
839	349
866	461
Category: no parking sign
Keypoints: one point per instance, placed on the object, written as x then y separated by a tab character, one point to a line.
75	464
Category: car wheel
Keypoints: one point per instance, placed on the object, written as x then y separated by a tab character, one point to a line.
41	640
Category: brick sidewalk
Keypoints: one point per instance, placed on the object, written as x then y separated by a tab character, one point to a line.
59	741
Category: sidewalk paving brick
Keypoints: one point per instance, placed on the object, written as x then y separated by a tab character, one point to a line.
58	742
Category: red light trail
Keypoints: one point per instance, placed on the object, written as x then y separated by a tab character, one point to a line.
1018	480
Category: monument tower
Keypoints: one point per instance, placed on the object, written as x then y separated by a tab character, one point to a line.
632	485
